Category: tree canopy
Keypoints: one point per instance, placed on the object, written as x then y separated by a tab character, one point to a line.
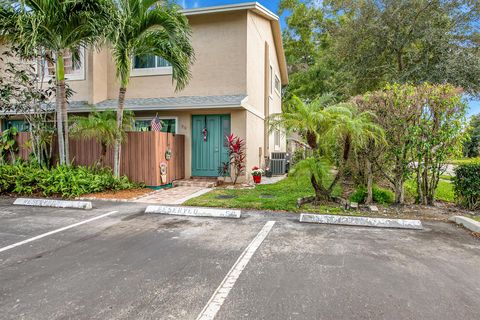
352	47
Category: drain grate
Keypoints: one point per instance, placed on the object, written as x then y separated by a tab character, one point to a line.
225	196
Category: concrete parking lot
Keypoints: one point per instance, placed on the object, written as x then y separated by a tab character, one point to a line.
131	265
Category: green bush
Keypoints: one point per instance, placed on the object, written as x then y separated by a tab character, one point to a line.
380	195
66	181
466	184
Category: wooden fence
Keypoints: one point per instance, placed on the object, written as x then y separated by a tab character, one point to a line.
142	155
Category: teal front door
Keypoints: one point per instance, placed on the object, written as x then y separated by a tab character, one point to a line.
209	148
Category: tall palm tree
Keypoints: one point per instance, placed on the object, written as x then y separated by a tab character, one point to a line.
52	29
148	27
101	126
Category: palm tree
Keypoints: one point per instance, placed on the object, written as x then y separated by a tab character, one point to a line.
330	130
148	27
52	29
101	126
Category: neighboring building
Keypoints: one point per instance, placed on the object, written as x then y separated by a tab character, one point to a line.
236	84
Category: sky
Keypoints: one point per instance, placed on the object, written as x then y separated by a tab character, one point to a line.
272	5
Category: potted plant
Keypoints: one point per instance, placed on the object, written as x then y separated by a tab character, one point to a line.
257	174
268	172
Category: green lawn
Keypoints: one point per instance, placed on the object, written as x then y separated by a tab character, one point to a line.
463	161
282	195
444	190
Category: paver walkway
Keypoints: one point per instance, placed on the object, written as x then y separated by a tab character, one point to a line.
177	195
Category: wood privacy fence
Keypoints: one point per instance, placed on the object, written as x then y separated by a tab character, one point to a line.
142	155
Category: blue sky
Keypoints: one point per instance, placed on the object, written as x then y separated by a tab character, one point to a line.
474	106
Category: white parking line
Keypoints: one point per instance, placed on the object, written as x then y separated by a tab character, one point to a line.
215	303
56	231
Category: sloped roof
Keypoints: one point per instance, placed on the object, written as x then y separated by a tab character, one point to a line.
170	103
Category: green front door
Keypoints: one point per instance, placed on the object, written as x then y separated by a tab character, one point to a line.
209	150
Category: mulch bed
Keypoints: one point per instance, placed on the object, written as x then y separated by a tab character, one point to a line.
120	194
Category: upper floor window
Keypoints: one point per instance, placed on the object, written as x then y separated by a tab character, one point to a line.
150	65
73	71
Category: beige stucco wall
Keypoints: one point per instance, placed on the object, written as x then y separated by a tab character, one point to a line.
259	39
219	41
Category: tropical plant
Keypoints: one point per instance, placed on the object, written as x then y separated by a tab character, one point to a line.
236	155
24	92
51	29
101	126
66	181
148	27
334	132
8	145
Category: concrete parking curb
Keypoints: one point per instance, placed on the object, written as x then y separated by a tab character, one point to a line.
468	223
361	221
86	205
194	211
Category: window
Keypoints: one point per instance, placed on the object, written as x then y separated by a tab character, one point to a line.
21	125
73	71
150	65
169	124
276	139
277	86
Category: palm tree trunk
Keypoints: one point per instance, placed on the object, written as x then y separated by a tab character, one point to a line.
60	101
118	143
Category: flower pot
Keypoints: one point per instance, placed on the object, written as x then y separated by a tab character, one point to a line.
257	179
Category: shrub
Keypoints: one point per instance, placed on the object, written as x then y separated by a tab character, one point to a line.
66	181
467	186
380	195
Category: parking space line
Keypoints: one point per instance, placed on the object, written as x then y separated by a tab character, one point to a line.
218	298
56	231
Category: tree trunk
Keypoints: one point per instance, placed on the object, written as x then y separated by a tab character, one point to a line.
311	140
399	192
103	155
118	143
369	176
60	101
321	194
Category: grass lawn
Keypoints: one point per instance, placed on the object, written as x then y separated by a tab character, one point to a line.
463	161
444	191
282	195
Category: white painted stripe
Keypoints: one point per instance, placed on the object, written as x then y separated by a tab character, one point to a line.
56	231
216	301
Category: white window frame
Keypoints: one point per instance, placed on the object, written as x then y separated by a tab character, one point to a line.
276	134
157	71
78	76
279	88
161	118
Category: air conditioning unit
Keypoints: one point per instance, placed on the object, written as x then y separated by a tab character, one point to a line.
278	163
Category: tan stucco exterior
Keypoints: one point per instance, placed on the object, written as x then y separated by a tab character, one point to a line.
234	47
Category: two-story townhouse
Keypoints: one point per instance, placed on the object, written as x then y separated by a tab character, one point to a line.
236	84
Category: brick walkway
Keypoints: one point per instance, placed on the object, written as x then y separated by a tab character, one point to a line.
177	195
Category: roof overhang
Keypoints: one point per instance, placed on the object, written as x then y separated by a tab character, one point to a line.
261	11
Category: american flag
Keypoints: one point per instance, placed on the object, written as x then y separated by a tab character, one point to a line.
156	124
